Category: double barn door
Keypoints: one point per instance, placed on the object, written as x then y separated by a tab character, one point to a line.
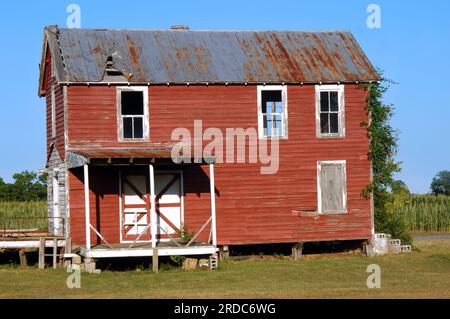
135	205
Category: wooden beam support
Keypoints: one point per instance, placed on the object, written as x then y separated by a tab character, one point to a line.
224	253
86	207
213	205
153	217
41	253
55	252
22	257
297	250
155	261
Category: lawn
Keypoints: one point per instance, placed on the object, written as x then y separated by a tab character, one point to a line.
425	273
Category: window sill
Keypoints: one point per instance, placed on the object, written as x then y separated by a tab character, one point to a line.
332	213
314	213
133	140
334	136
273	138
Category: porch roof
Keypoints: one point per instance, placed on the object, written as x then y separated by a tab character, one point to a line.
78	157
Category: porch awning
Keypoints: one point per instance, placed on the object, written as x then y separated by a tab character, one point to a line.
78	157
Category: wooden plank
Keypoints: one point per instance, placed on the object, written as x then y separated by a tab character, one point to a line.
55	253
23	257
248	203
155	261
41	263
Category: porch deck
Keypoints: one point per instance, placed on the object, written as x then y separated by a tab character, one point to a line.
146	250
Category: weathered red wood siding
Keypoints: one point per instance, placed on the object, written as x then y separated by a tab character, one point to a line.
251	208
49	80
104	204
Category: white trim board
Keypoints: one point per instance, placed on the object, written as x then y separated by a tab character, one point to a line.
284	98
144	252
341	115
146	120
28	243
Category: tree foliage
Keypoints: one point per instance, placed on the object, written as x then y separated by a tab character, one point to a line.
383	149
27	186
441	183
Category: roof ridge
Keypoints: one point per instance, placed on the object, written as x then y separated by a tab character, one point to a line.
207	30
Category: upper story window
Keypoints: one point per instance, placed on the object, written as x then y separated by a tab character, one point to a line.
133	119
330	111
272	111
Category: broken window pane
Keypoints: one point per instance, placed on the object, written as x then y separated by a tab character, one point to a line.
132	103
270	100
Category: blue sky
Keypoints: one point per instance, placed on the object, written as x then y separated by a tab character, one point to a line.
412	46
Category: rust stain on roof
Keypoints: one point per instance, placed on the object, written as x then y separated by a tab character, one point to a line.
161	56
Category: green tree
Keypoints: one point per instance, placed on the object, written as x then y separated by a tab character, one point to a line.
399	187
383	149
441	183
27	186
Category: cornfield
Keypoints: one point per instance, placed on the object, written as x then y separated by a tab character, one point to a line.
425	213
22	215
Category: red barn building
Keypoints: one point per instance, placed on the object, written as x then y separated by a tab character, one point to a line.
114	98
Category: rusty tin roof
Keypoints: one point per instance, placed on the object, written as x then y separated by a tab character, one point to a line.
181	56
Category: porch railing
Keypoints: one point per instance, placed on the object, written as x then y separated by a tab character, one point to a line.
176	241
17	227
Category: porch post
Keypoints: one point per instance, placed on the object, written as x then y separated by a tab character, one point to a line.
153	218
213	204
86	207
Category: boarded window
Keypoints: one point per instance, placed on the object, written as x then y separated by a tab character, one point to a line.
332	187
132	111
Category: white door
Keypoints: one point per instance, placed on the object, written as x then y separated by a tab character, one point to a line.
135	208
169	203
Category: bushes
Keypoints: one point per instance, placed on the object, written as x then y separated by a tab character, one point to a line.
383	149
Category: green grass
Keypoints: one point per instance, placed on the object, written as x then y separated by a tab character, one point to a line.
424	273
11	211
425	213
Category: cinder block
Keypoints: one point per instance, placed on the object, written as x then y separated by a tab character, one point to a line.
405	248
189	264
213	262
203	264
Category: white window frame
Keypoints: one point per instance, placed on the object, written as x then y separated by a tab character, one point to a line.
53	110
341	110
145	116
284	113
342	163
